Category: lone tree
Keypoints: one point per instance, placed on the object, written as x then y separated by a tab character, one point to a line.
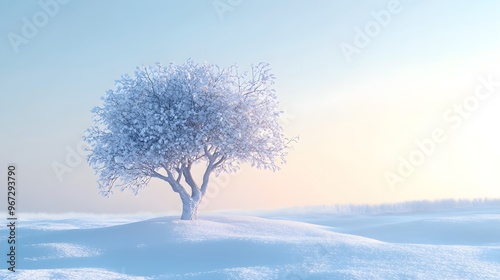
164	120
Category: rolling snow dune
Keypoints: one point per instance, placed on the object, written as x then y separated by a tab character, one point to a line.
453	244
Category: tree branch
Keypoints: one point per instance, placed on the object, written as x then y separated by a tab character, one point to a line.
195	191
179	176
221	160
176	187
111	184
206	177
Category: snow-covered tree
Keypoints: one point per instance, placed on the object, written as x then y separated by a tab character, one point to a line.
164	120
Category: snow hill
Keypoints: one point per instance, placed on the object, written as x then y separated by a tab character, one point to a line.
455	243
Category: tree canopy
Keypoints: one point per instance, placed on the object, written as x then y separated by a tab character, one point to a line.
164	119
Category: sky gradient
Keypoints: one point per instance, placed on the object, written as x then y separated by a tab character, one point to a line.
409	68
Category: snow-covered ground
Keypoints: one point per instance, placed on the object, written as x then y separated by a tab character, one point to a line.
315	243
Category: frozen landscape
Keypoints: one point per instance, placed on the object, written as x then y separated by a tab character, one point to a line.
418	240
220	114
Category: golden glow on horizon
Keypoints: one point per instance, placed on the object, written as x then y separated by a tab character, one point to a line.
346	147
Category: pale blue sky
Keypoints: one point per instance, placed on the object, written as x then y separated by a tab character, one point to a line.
424	60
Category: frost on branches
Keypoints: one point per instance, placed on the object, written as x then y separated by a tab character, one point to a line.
164	120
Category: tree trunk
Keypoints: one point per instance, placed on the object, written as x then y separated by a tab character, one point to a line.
190	209
190	202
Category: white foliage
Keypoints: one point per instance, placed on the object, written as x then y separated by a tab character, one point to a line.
169	117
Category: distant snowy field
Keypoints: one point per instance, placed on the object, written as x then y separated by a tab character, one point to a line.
421	240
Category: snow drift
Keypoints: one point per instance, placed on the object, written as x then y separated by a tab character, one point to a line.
451	244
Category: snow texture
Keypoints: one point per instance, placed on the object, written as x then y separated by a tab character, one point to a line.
453	243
